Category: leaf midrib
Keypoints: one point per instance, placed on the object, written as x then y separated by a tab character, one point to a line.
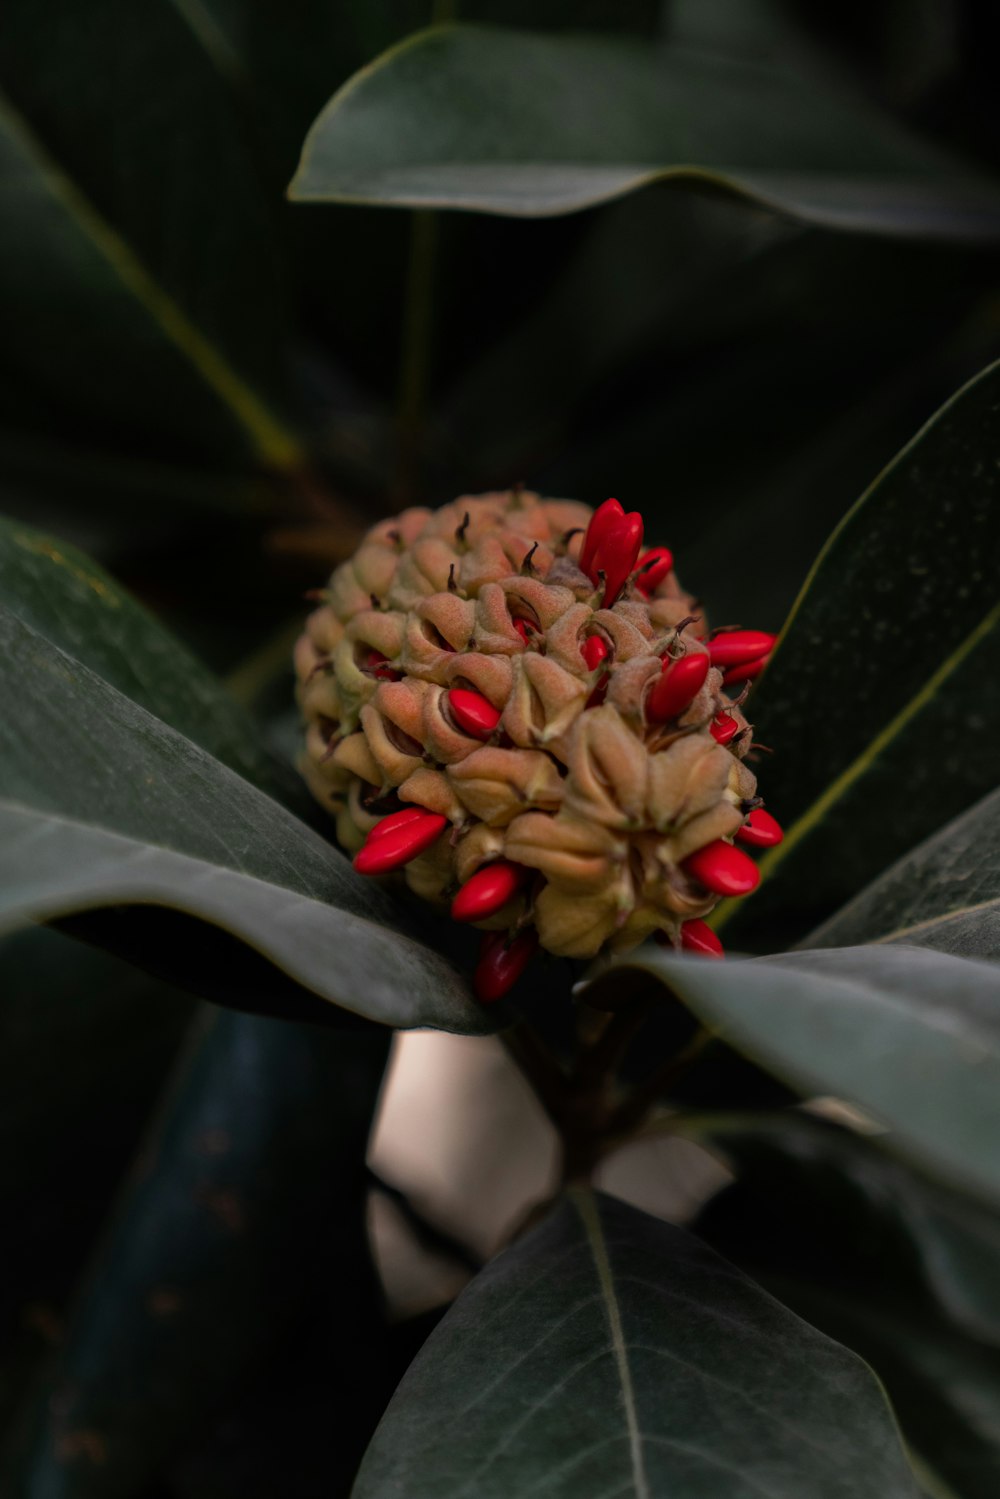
583	1201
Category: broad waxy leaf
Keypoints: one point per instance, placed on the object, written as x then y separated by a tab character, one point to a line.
910	1035
944	894
901	1270
244	1219
510	122
71	601
876	697
123	810
135	210
609	1354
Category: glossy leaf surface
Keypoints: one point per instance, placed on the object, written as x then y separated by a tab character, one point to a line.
125	810
875	698
901	1270
64	596
910	1035
510	122
607	1353
944	894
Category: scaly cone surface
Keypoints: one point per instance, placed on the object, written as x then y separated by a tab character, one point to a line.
509	702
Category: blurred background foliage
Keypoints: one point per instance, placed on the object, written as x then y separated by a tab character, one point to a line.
198	375
213	391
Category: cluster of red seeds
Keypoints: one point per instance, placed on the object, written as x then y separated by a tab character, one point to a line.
611	557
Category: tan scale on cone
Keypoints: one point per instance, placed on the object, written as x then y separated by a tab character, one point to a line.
537	760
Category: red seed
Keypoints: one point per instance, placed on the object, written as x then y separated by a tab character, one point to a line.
761	830
723	869
747	671
735	647
472	712
378	666
651	569
723	728
488	890
599	521
697	936
396	820
594	651
522	628
616	554
679	683
500	966
404	843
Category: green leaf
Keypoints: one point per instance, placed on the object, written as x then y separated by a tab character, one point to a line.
944	894
245	1221
875	698
73	603
910	1035
901	1270
137	219
106	805
607	1353
510	122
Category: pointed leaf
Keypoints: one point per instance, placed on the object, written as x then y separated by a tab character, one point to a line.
607	1353
516	123
944	894
911	1035
106	805
875	698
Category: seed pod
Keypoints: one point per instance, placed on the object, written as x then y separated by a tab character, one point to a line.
518	679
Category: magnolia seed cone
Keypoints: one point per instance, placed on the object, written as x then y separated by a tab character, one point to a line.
573	783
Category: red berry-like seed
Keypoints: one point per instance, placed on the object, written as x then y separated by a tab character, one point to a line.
761	830
500	966
651	569
735	647
723	869
472	712
678	684
378	666
396	820
747	671
604	515
616	554
392	850
723	728
594	651
521	626
697	936
488	890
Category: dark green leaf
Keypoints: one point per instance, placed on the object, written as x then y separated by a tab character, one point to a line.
875	698
510	122
69	600
945	894
910	1035
138	236
245	1218
607	1353
106	805
903	1271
